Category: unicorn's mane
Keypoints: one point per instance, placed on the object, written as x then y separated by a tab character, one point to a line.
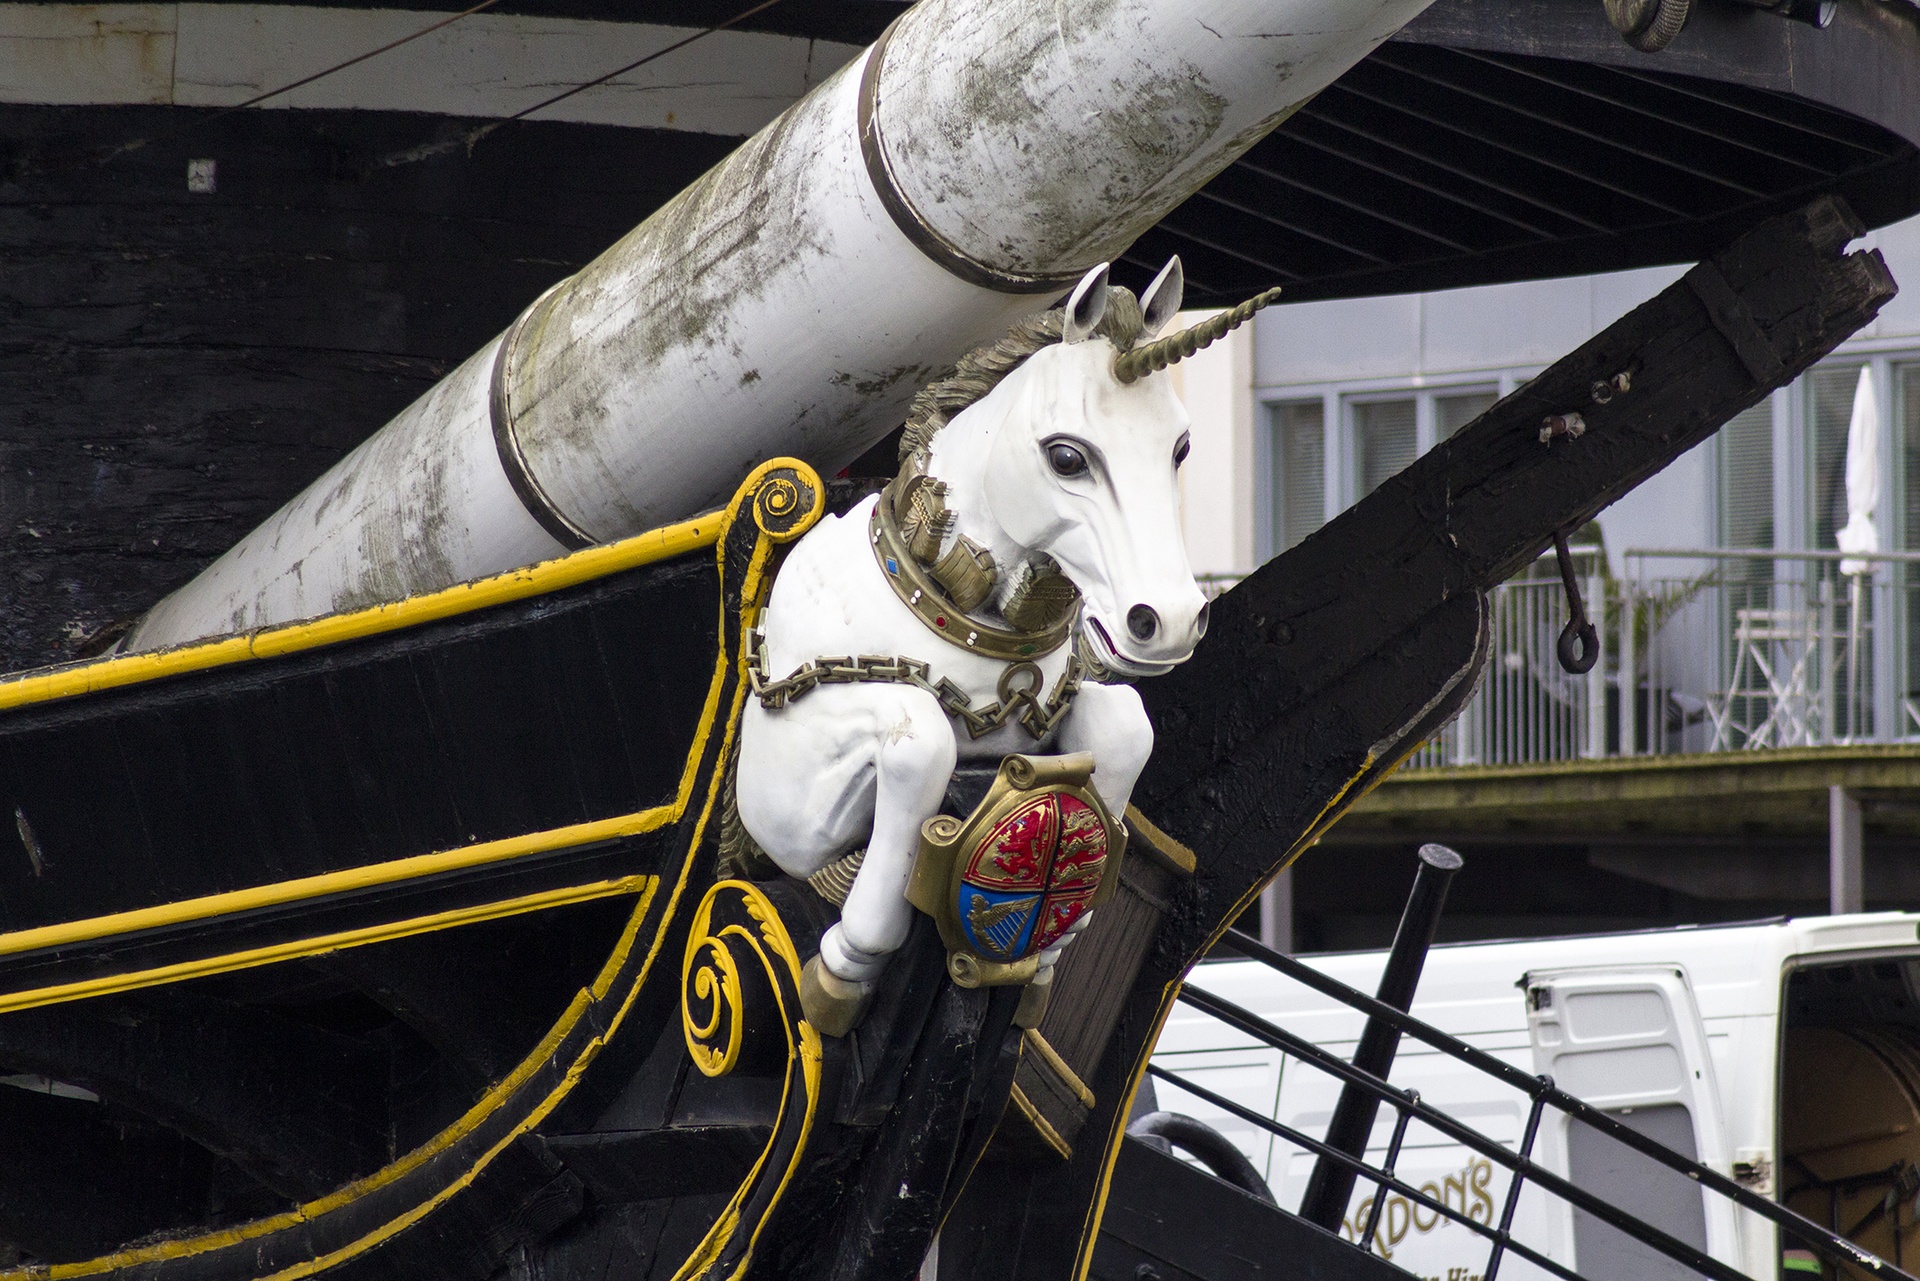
983	368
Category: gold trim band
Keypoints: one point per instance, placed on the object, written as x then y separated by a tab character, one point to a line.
1172	855
333	629
255	957
1051	1057
610	1008
916	588
280	893
1040	1124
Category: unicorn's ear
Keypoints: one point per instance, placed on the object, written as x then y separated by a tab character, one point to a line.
1162	298
1085	305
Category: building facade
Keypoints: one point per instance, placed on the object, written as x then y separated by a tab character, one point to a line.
1734	635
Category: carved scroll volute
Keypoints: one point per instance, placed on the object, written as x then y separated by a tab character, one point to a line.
736	1007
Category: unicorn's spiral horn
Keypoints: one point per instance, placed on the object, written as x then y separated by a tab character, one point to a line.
1157	355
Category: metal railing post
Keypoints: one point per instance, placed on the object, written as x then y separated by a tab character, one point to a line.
1787	656
1829	710
1597	674
1388	1169
1629	670
1331	1185
1519	1180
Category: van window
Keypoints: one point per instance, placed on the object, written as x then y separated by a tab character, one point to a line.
1850	1101
1644	1188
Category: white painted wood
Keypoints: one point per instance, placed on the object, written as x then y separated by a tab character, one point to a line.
77	55
776	307
731	82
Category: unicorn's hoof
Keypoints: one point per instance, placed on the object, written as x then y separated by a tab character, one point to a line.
832	1004
1033	1002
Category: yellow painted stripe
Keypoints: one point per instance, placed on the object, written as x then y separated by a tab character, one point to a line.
112	983
332	629
280	893
221	1238
1068	1077
1040	1124
600	990
754	588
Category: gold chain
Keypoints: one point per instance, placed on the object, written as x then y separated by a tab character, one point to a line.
1019	687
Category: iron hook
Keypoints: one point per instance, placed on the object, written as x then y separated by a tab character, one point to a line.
1578	648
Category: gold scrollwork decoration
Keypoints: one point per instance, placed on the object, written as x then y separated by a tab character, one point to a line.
738	958
787	496
712	980
740	1010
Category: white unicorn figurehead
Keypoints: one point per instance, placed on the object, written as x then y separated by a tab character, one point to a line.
1038	487
1065	468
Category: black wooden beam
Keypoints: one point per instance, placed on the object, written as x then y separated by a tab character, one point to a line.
82	1177
1329	664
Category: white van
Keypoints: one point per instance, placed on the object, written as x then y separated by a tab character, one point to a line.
1785	1054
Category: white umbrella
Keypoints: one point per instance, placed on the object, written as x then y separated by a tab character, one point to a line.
1859	535
1863	477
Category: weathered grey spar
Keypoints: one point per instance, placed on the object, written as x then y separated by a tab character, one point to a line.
972	163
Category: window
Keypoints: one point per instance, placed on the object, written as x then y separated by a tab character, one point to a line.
1379	433
1385	439
1454	410
1906	394
1746	479
1299	482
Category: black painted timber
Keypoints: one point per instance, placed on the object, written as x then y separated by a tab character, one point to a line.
234	1096
1166	1219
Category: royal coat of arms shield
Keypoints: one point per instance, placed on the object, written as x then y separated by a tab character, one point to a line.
1009	881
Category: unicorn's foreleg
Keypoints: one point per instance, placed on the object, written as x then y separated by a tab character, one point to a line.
1108	721
912	764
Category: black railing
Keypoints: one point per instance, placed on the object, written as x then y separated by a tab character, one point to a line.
1325	1201
1523	1169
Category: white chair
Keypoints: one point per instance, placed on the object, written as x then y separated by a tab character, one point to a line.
1770	700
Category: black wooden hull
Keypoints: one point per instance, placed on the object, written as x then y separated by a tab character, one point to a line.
353	906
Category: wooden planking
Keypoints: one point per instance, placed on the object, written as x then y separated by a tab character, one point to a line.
433	739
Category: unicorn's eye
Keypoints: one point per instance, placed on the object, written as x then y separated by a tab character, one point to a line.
1066	460
1180	450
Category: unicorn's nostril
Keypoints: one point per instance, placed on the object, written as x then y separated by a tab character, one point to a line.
1143	622
1200	619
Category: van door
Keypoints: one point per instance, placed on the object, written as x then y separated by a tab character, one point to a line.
1628	1040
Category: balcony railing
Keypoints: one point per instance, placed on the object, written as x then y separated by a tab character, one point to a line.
1702	650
